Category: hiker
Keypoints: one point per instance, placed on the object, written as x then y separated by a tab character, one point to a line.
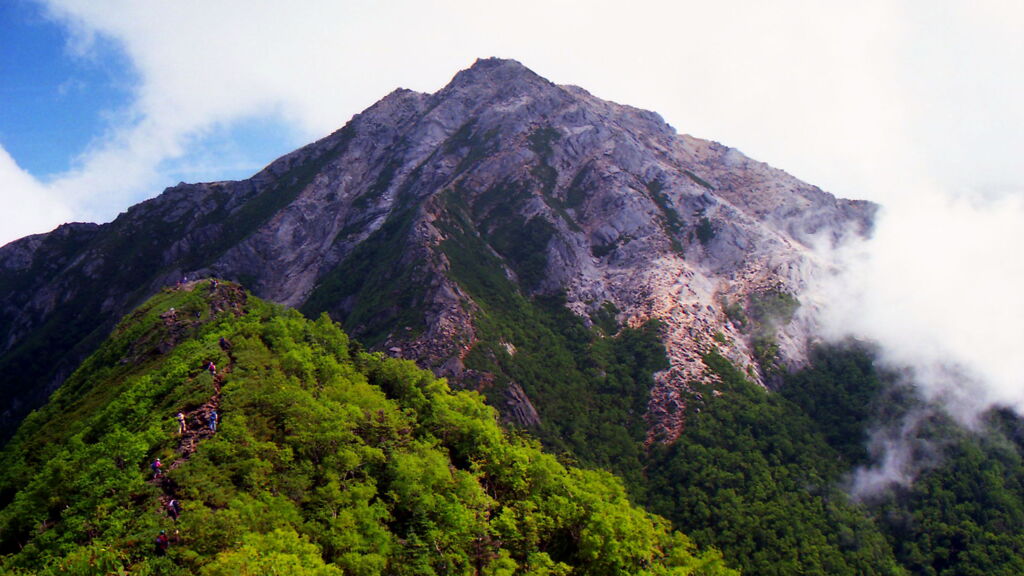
174	509
212	418
212	368
182	428
224	343
157	467
162	543
213	284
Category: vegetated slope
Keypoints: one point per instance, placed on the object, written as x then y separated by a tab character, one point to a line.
754	474
964	512
326	460
399	224
761	476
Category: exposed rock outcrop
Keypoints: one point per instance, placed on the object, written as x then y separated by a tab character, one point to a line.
567	192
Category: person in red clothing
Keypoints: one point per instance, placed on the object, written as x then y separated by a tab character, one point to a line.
162	543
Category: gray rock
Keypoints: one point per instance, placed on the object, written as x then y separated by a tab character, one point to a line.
661	225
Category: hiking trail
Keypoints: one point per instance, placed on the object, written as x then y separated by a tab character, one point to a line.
197	420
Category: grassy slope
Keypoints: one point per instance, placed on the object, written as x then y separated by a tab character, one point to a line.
327	461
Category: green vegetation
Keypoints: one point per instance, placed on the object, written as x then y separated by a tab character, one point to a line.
735	313
577	191
755	476
605	318
523	243
541	140
474	145
590	390
327	461
965	513
705	230
765	313
698	180
600	251
672	221
378	278
772	308
840	392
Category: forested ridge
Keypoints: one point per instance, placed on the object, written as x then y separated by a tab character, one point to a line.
764	477
326	460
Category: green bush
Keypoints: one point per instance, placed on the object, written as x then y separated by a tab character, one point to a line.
327	461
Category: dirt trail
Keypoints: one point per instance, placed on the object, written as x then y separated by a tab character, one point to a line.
197	420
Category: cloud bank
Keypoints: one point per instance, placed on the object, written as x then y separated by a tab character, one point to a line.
838	95
937	288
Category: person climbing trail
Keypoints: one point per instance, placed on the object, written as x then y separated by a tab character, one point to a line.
182	427
212	419
157	467
162	543
212	368
174	509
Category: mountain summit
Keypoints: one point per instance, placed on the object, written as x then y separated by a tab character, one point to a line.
470	230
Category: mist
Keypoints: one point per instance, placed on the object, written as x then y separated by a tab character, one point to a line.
900	452
937	287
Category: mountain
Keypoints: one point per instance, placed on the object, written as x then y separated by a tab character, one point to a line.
521	238
325	460
598	278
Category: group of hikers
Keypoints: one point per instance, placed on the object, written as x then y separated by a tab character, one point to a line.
173	507
211	422
162	541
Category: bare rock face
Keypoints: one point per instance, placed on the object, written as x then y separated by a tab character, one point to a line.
562	192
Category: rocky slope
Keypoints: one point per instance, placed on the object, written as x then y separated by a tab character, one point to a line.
554	189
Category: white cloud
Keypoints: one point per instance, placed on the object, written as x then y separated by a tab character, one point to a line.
28	206
938	286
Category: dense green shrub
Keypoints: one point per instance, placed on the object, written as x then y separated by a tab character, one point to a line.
327	461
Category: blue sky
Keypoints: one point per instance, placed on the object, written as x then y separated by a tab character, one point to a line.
67	92
55	104
913	104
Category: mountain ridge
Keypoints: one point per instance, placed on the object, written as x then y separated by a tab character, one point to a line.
569	194
326	460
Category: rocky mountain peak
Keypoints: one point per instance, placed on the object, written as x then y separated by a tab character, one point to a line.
496	73
428	223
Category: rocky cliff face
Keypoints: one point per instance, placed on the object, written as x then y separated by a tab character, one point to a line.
558	192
